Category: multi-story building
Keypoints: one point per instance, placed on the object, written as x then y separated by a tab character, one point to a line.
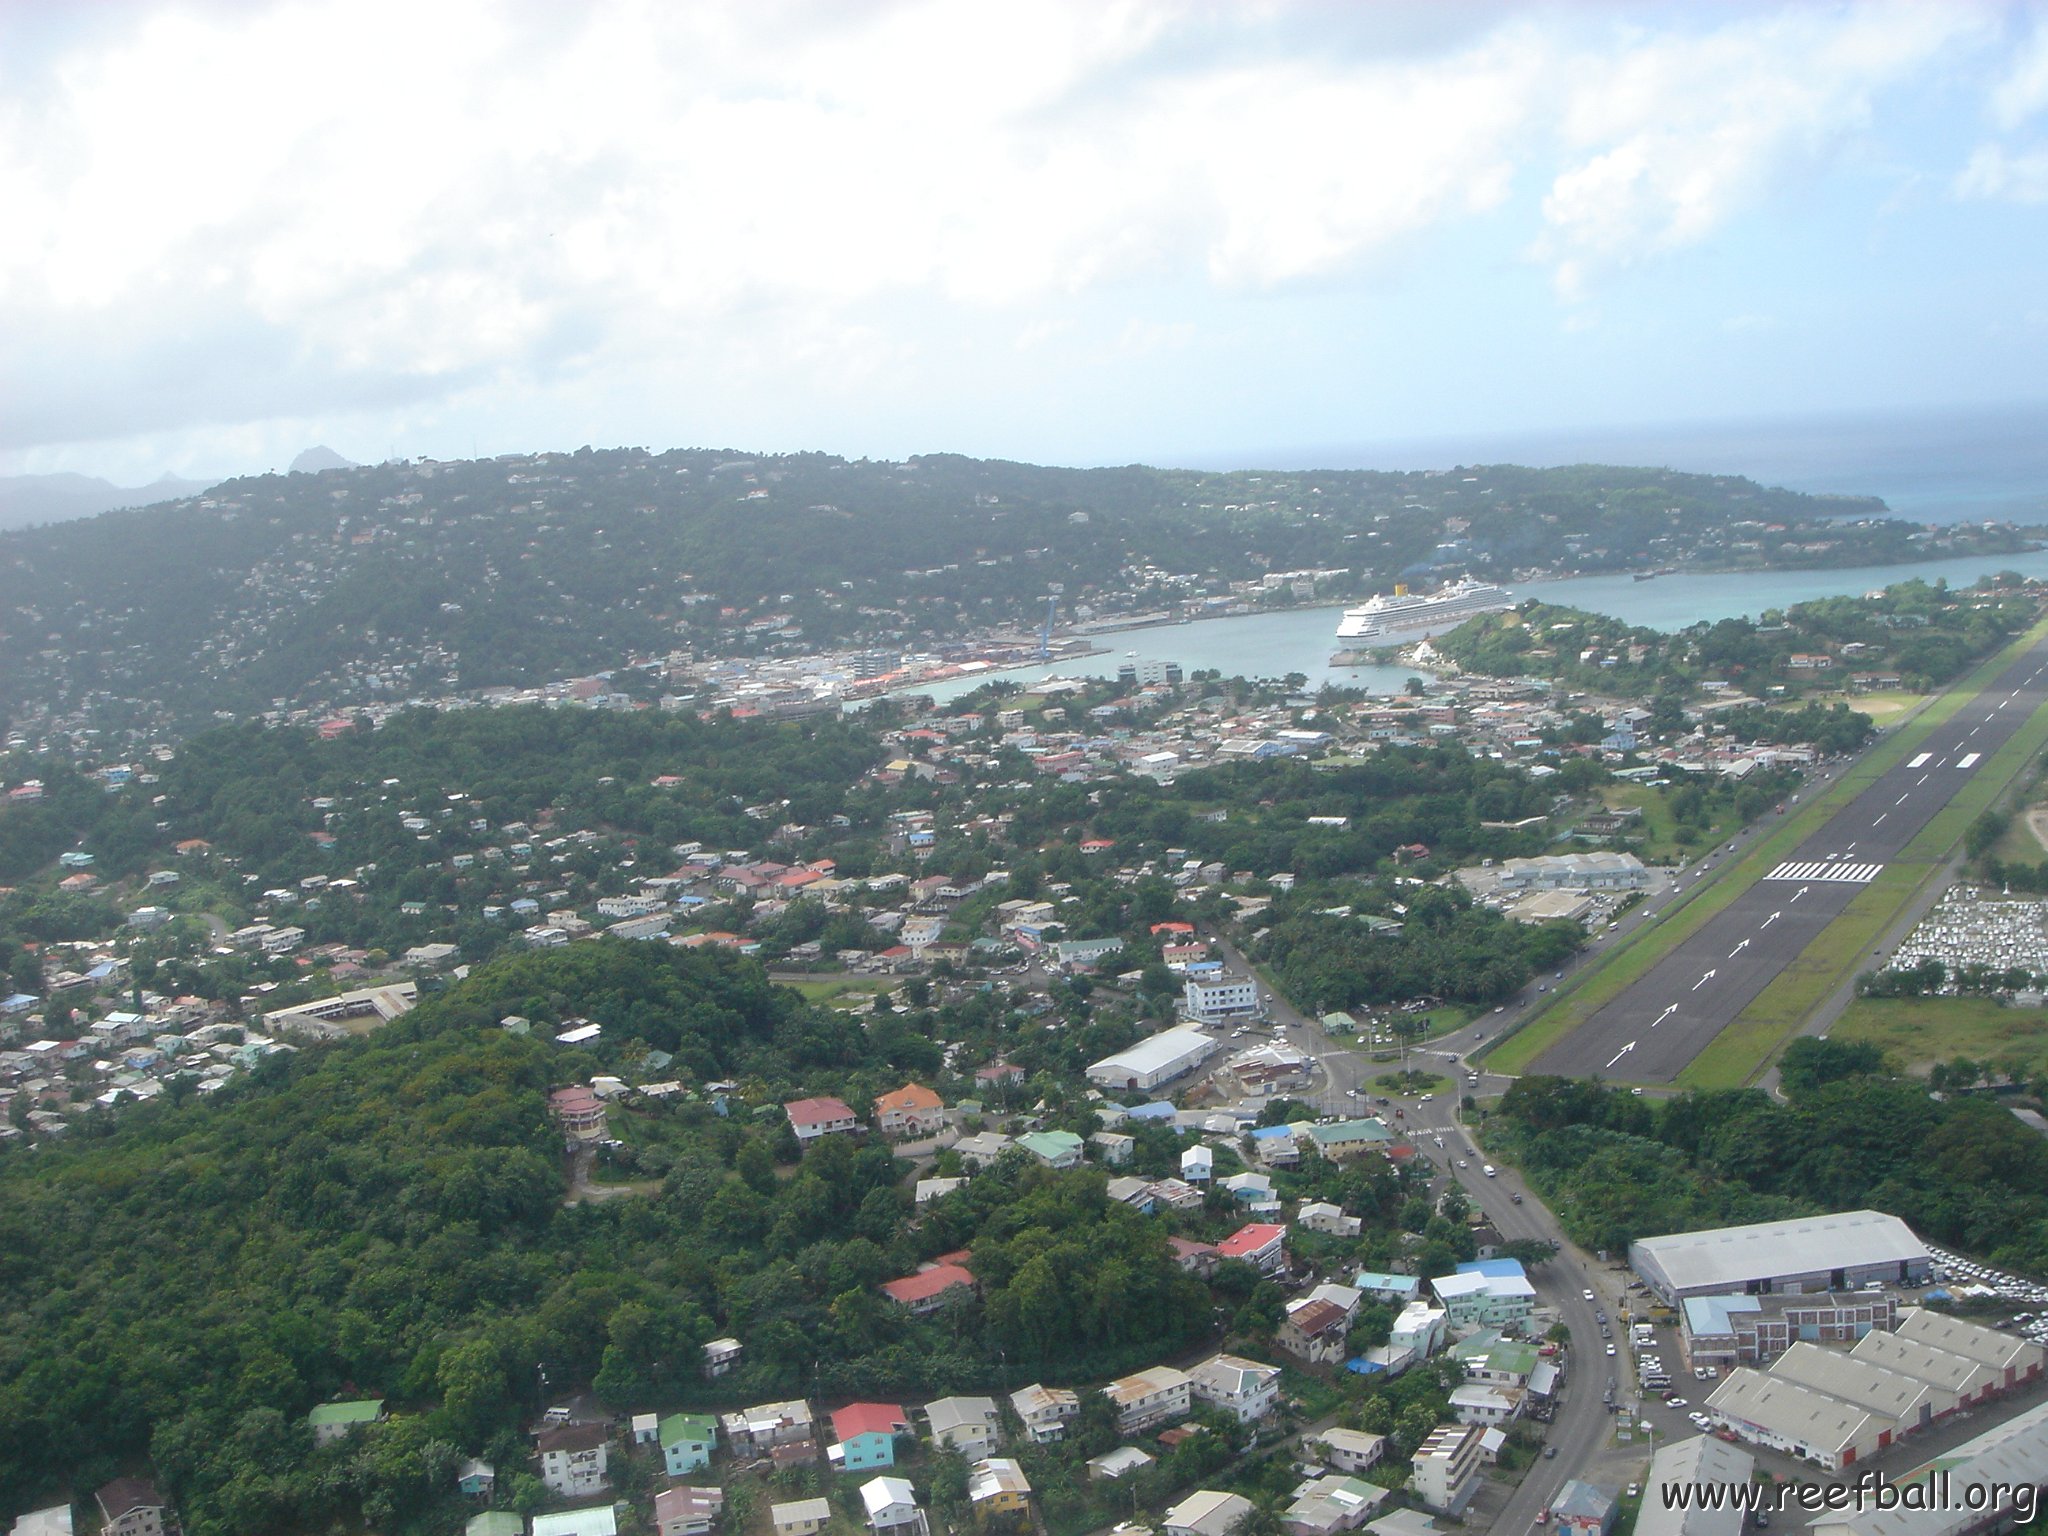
1145	1398
1045	1411
573	1459
1727	1331
1448	1466
1243	1388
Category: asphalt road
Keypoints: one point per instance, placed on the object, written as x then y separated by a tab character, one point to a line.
1667	1018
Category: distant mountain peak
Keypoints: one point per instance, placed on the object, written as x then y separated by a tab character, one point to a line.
315	459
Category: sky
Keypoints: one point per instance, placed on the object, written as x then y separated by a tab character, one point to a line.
1097	232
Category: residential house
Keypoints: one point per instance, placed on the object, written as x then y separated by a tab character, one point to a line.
996	1485
782	1432
1583	1510
1314	1331
1194	1257
687	1511
579	1112
1352	1450
1145	1398
1055	1149
1198	1164
1114	1147
331	1421
686	1441
891	1506
973	1426
1121	1462
909	1112
812	1118
720	1356
926	1291
1242	1388
1398	1289
1488	1293
1045	1411
1260	1244
573	1459
594	1520
1207	1513
866	1434
1321	1216
476	1478
131	1506
1349	1138
1328	1505
800	1517
1478	1402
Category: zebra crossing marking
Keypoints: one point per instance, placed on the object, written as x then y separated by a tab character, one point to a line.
1839	872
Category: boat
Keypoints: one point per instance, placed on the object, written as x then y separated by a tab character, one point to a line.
1390	617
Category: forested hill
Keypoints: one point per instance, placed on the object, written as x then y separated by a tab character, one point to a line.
386	1217
390	580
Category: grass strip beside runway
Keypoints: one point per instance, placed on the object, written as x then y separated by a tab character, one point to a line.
1621	968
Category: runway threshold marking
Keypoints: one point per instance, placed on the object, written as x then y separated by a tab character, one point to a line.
1968	760
1820	869
1920	761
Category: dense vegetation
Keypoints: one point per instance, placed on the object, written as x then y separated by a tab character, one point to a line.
1963	1172
386	1217
1926	634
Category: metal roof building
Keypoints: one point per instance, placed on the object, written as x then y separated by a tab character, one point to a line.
1786	1416
1865	1384
1700	1462
2010	1457
1151	1062
1806	1253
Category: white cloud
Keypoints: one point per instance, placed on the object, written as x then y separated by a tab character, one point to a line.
1667	138
2017	178
244	213
2024	90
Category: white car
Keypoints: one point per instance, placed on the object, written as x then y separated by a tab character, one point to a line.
1610	1349
1587	1295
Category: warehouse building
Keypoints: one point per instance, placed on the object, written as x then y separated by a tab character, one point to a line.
1701	1462
1151	1062
2014	1360
1998	1462
1962	1379
1770	1411
1807	1253
1911	1402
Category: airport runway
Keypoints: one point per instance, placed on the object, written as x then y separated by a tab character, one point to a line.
1654	1029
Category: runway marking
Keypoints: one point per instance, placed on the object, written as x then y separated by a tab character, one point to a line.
1902	799
1738	949
1621	1053
1923	778
1837	873
1703	981
2001	704
1920	761
1801	891
1664	1015
1770	920
1880	817
1968	760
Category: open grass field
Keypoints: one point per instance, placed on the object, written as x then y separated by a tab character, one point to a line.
851	992
1660	843
1917	1032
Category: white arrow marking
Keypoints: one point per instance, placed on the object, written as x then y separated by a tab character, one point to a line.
1621	1053
1738	949
1801	892
1703	981
1664	1015
1770	920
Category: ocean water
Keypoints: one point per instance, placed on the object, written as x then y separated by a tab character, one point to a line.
1933	467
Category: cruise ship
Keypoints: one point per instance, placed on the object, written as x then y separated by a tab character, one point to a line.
1388	619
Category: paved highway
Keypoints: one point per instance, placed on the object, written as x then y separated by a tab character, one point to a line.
1668	1017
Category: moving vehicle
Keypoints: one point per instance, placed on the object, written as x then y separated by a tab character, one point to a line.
1489	1170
